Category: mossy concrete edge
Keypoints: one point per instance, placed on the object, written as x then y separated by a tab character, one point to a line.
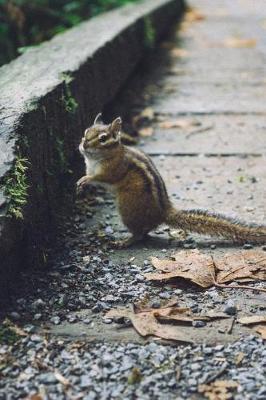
47	97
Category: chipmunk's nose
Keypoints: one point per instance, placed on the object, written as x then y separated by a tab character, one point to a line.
85	143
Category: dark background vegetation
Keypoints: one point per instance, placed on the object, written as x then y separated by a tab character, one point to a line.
25	23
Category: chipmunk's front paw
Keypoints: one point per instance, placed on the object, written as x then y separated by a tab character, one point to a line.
120	244
81	184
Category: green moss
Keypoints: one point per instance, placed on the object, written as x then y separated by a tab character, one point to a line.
70	103
60	157
135	376
149	33
16	187
8	334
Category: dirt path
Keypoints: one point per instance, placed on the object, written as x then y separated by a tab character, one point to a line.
209	79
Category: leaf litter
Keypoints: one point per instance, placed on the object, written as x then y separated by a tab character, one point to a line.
162	322
256	322
237	42
219	390
192	265
179	123
206	270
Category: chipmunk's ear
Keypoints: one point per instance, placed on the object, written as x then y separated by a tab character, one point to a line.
115	128
98	119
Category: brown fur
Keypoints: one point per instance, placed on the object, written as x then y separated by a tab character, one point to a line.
142	199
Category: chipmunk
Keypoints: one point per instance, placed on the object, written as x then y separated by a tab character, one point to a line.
141	195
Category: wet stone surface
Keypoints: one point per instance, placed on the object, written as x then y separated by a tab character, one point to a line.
69	349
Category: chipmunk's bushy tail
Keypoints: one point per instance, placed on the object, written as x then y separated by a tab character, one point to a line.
210	223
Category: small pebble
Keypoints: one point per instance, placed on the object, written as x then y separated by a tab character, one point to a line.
248	246
198	324
230	308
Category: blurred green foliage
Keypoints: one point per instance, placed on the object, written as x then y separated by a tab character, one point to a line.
25	23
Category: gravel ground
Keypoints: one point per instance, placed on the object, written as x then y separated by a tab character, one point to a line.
56	369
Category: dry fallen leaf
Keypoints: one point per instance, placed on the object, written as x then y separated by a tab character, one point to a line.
61	379
251	320
239	358
193	15
146	324
146	132
204	270
148	113
192	265
174	314
241	264
178	52
235	42
156	322
179	123
9	325
178	373
261	329
216	315
218	390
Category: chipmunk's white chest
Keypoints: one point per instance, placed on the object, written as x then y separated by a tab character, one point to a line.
92	166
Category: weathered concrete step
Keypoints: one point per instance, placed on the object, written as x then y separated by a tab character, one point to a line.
223	8
98	331
231	77
230	185
214	32
219	134
211	99
219	59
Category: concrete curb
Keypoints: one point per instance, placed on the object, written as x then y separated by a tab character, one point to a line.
47	97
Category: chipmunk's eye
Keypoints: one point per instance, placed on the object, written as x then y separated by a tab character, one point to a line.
102	138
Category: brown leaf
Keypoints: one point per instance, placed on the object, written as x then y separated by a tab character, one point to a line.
35	397
170	312
236	42
239	358
261	329
253	319
192	265
218	390
61	379
178	372
146	324
216	315
193	15
178	52
242	264
148	113
14	328
146	132
174	314
179	123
